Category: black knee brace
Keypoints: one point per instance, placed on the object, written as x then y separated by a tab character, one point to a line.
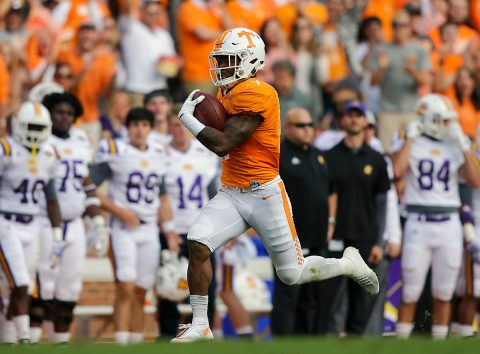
63	311
37	311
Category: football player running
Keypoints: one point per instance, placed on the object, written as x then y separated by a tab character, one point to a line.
136	199
27	168
59	287
252	193
433	157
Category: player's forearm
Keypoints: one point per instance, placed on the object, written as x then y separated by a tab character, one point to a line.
216	141
471	170
92	203
332	205
53	212
165	212
400	160
109	206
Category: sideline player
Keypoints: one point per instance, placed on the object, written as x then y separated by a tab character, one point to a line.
58	288
135	171
433	157
252	193
27	168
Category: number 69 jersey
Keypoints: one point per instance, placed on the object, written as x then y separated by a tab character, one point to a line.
432	179
136	175
187	181
23	177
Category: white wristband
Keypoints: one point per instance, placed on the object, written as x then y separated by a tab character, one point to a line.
57	234
92	201
192	123
168	226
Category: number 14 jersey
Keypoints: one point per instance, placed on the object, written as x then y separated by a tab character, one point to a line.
432	179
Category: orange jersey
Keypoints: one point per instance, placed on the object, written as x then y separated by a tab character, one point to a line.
257	159
4	82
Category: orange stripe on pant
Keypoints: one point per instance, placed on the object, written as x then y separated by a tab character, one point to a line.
227	277
6	269
291	225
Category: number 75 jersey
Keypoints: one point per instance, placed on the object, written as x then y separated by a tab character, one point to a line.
136	175
432	179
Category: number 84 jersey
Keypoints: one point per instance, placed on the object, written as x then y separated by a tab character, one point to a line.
432	179
136	175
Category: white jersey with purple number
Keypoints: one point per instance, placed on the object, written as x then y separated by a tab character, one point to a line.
75	154
136	175
187	180
23	177
432	178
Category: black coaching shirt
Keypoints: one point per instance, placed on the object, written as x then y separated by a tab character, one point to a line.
359	176
308	184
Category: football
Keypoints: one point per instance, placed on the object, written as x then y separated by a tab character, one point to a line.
210	111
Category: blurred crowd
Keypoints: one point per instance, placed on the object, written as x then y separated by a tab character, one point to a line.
117	54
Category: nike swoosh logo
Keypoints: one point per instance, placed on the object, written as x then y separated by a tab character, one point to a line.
267	196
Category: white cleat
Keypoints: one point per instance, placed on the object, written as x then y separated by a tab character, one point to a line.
361	273
190	333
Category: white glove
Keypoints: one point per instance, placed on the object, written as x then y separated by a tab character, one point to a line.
57	246
186	114
190	103
98	235
455	132
414	129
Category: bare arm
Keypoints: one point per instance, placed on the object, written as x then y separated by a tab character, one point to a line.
400	160
91	210
53	209
470	171
237	130
332	215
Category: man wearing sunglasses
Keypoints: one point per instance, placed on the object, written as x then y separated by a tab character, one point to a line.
300	309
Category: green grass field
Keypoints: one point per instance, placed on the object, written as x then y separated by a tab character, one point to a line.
287	346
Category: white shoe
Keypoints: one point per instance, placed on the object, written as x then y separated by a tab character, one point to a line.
361	273
192	333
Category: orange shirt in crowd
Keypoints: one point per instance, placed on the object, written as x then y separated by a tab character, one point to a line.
248	17
450	65
257	159
4	82
94	80
333	49
384	10
135	12
287	15
468	115
194	50
475	13
464	36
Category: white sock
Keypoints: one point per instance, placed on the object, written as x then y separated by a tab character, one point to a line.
439	332
35	334
403	330
217	333
135	337
121	337
61	337
199	309
465	330
318	268
8	332
22	325
244	330
50	331
454	330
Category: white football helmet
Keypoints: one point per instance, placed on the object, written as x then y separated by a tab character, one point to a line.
252	291
32	124
434	111
244	54
171	281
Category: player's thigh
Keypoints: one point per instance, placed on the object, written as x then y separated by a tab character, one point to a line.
12	256
218	223
148	256
416	259
68	283
447	258
272	218
124	253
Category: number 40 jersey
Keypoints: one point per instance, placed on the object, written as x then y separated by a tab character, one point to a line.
432	179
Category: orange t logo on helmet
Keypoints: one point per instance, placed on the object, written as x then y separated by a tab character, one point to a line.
220	39
249	36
